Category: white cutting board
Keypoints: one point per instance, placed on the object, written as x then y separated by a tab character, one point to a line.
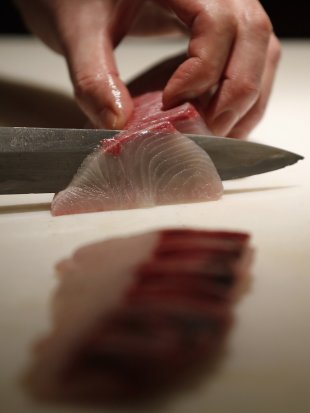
267	367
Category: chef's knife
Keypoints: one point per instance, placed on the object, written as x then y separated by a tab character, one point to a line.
39	160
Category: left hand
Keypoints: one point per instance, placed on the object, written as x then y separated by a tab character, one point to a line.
233	55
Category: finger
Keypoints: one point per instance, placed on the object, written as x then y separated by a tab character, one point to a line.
155	19
250	120
156	77
212	36
88	48
240	88
38	17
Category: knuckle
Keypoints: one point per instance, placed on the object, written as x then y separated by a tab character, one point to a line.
204	15
205	19
258	21
222	21
262	24
227	21
226	27
248	88
275	50
203	67
85	84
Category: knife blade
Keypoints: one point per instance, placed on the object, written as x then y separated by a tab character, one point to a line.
44	160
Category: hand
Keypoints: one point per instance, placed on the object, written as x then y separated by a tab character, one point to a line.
232	48
86	32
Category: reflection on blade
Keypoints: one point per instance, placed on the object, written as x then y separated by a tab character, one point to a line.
138	317
235	158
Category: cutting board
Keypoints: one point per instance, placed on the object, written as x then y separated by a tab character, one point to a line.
267	364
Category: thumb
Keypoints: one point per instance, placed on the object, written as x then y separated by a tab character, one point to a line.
98	89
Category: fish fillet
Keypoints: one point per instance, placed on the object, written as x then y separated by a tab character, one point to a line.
148	110
151	163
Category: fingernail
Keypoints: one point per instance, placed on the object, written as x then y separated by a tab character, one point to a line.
224	122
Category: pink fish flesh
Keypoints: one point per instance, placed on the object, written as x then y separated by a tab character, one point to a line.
148	111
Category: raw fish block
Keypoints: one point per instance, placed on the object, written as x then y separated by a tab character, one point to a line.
148	110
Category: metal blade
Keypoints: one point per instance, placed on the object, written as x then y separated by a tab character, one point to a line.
39	160
235	158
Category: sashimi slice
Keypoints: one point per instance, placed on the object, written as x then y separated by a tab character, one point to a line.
131	322
148	167
170	170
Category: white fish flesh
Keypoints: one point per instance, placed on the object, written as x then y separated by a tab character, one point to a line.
149	164
143	168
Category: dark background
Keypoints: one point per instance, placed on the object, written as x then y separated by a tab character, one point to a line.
290	18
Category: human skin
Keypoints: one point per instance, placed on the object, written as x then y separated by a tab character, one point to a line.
232	55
